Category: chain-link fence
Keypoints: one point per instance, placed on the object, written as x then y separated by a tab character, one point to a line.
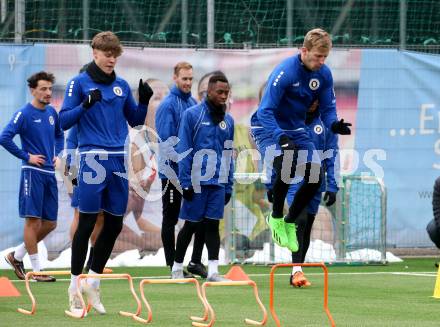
351	231
405	24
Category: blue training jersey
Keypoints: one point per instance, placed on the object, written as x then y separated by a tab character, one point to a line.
104	125
290	91
327	143
168	116
40	133
207	149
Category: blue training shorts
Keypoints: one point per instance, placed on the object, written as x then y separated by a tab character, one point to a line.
209	203
102	184
74	203
269	149
38	194
313	205
301	138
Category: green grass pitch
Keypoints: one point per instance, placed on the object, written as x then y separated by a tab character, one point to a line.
392	295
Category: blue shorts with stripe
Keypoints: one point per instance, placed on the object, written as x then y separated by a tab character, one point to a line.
38	194
209	203
306	147
102	184
269	149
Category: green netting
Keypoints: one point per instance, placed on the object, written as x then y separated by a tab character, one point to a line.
238	23
351	231
362	224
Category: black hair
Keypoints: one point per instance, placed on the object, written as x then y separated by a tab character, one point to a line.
217	78
40	76
215	72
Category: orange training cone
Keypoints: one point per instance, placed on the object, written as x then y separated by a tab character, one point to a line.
6	288
236	273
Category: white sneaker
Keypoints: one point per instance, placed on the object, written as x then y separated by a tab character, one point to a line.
75	303
177	274
93	297
217	278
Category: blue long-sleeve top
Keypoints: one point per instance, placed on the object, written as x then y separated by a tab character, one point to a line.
290	91
104	125
40	133
71	145
326	142
207	148
168	116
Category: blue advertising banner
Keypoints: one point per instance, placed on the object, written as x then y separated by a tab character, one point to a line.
397	127
17	63
391	97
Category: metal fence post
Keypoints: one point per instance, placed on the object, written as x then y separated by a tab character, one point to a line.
19	20
402	29
210	24
86	9
184	23
289	22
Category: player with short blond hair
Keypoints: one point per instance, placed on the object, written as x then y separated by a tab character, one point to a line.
168	119
291	89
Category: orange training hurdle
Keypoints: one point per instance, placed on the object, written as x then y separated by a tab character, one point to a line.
113	276
170	281
232	283
271	302
28	287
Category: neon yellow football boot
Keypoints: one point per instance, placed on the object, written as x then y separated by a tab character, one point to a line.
292	241
278	230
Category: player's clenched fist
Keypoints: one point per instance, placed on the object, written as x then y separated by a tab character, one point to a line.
145	92
93	97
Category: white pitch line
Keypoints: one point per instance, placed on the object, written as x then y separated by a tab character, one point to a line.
427	274
417	274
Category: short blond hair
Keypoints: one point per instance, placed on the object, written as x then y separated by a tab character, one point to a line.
317	38
181	65
107	42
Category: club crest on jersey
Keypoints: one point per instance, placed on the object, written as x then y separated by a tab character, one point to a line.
314	84
222	125
51	121
318	129
117	90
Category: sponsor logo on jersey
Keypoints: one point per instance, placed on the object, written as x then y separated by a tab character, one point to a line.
206	123
314	84
318	129
295	84
51	120
222	125
117	90
37	120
